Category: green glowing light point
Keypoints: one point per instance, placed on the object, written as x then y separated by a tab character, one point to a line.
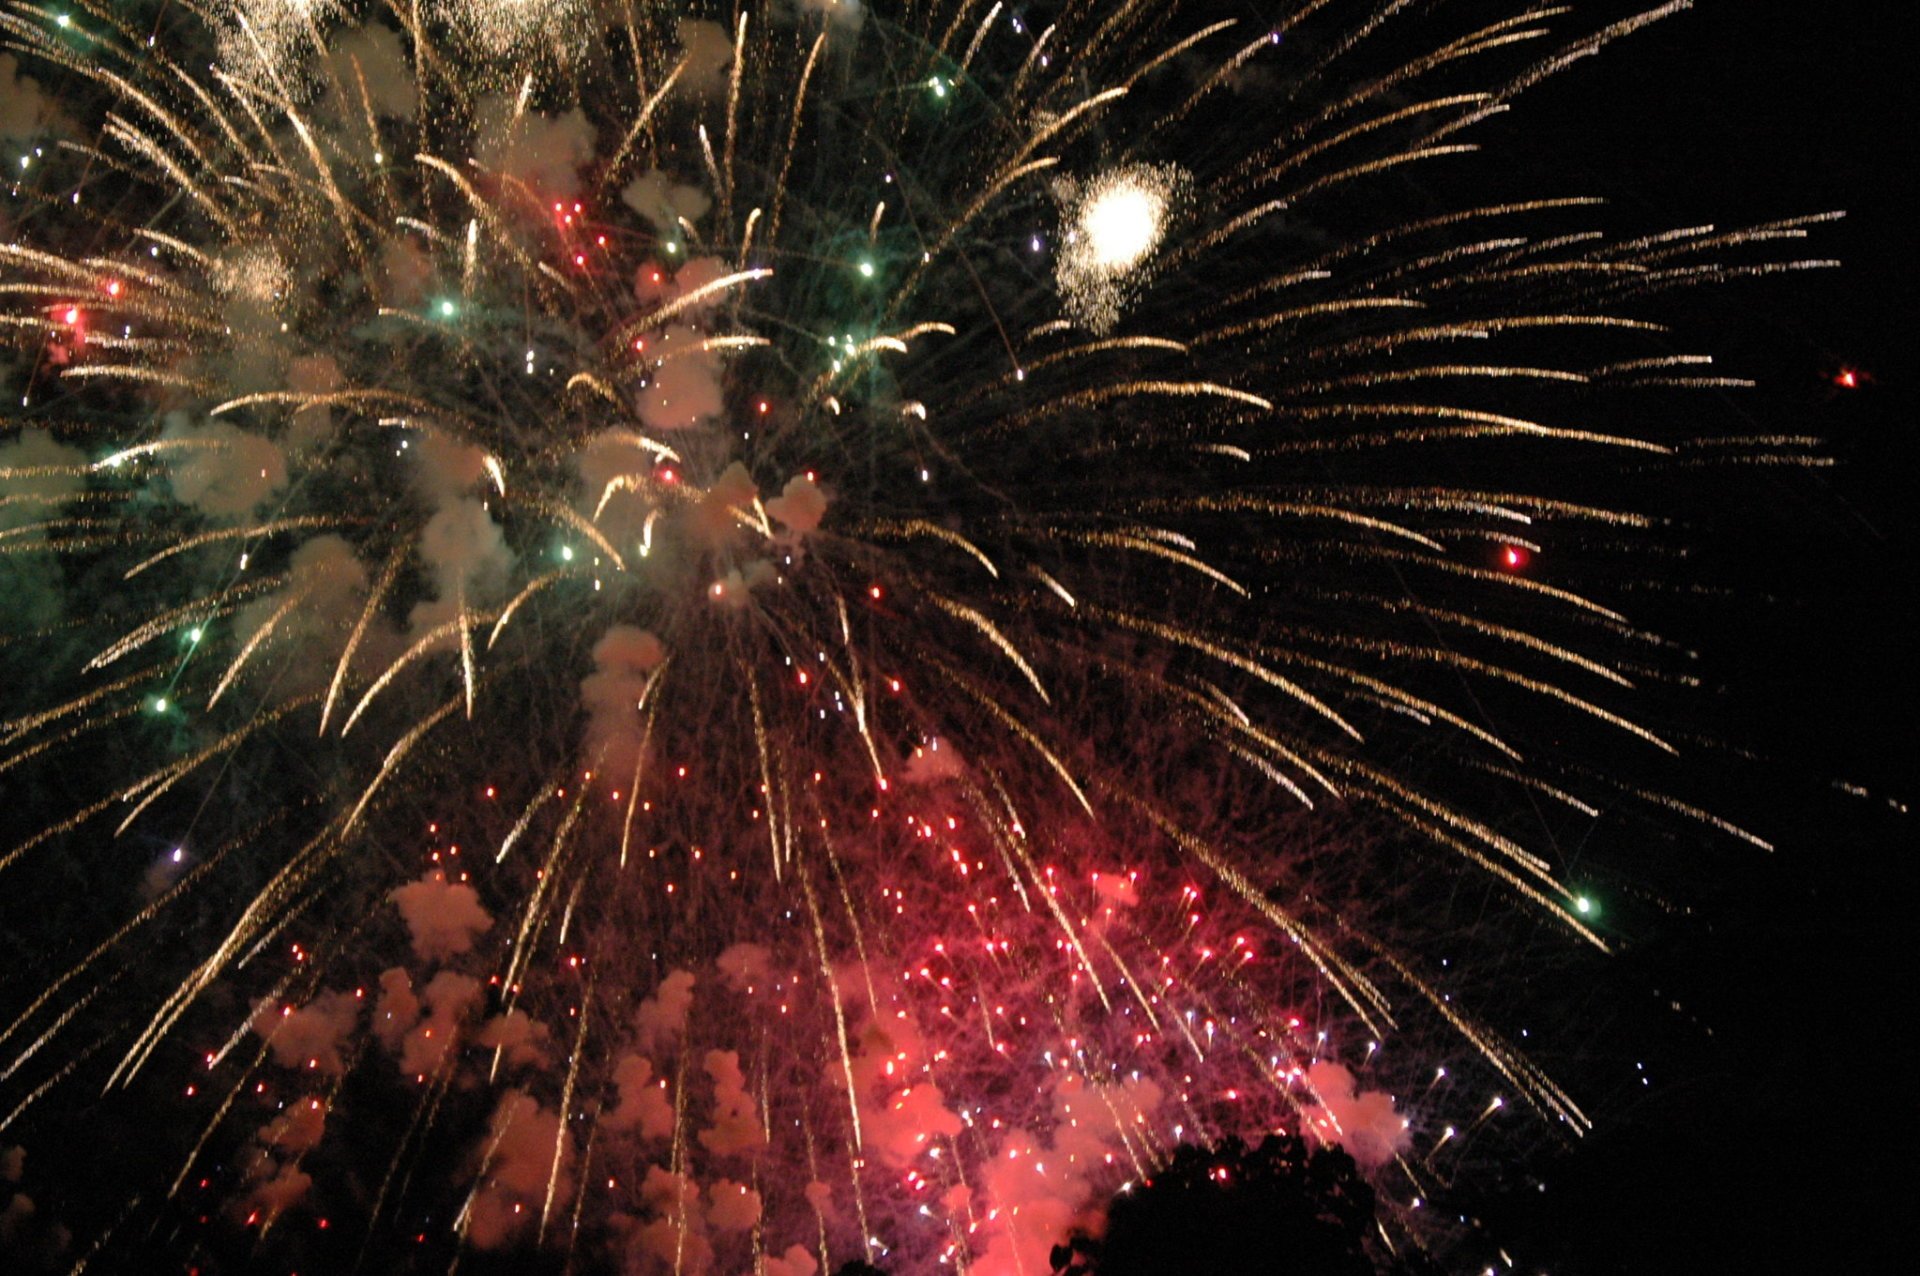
566	553
939	87
195	634
1585	905
447	309
160	704
866	269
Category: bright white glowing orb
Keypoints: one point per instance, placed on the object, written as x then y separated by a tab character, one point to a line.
1122	224
1111	226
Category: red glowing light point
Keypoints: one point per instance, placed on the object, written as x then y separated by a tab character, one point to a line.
579	259
873	592
1848	379
1513	558
72	316
668	476
113	288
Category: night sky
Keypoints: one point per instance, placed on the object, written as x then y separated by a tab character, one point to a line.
1775	1144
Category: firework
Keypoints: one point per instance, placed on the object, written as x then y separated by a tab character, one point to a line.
740	642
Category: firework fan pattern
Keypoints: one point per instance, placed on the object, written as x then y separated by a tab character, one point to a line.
703	640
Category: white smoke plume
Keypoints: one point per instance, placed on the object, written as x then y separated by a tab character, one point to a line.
311	425
745	966
644	1104
736	1127
685	388
1361	1121
228	472
797	1261
397	1009
37	475
285	1187
1041	1190
664	202
662	1018
900	1118
311	1036
462	545
623	661
521	1040
523	1147
931	763
800	506
544	152
15	1219
732	1207
676	1236
373	56
298	1129
442	917
26	112
449	998
708	54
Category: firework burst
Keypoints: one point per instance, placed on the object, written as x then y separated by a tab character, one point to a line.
791	634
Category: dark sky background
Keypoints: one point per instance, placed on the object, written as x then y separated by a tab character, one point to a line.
1777	1143
1772	1136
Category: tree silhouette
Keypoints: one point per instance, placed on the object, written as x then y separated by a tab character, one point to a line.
1281	1208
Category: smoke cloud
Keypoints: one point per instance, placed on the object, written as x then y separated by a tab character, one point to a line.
545	152
397	1010
1361	1121
676	1237
623	660
311	1036
1041	1190
735	1127
286	1187
797	1261
663	1016
373	55
898	1121
522	1148
661	200
228	472
442	917
708	53
744	966
28	492
644	1104
800	506
732	1207
521	1040
449	997
297	1129
25	111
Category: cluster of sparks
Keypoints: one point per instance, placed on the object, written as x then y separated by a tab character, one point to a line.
789	504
